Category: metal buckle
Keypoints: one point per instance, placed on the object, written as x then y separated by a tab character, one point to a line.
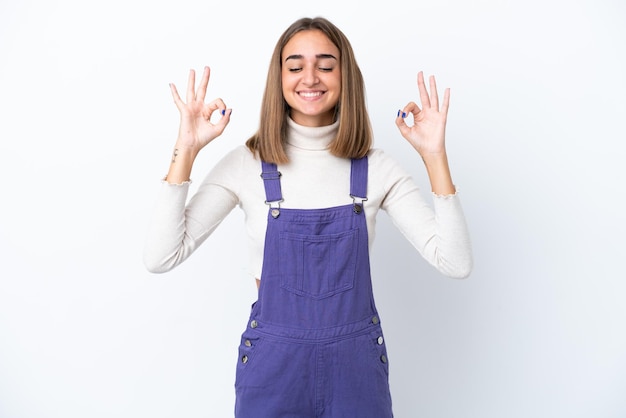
358	203
274	210
269	177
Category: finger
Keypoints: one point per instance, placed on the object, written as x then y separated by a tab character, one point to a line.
203	84
411	107
191	85
434	97
175	96
423	92
446	102
217	104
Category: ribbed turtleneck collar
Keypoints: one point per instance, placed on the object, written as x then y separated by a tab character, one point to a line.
311	138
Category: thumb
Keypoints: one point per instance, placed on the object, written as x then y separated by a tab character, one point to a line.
224	119
401	124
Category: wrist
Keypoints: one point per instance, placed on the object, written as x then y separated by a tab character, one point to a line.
435	158
181	163
439	173
183	151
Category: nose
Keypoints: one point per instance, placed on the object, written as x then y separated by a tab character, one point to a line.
309	77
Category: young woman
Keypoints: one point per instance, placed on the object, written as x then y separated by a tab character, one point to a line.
311	186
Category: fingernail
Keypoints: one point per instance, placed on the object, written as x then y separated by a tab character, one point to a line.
399	113
223	112
403	115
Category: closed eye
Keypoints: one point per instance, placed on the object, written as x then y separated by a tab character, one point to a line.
323	69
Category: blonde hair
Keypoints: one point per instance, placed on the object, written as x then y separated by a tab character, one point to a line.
354	137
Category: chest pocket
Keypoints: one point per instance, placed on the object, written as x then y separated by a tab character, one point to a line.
318	266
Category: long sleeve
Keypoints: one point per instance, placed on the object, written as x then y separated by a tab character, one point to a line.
176	229
439	231
313	179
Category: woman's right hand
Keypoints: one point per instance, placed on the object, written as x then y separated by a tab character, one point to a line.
196	129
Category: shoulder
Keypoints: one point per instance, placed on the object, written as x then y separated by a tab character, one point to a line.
240	154
382	163
234	166
386	174
237	159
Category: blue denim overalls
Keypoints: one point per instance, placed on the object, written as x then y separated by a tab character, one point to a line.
313	346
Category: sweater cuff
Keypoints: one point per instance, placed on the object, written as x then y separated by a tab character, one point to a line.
184	183
446	196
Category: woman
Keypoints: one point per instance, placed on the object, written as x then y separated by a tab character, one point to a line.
313	345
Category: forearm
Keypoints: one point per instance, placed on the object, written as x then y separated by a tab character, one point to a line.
177	228
439	174
165	244
438	232
181	165
452	251
441	235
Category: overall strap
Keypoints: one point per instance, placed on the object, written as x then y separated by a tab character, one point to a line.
358	178
271	181
358	183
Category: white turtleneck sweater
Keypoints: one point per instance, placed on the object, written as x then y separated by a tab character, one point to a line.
312	179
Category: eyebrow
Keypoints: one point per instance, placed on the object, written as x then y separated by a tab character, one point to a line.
299	57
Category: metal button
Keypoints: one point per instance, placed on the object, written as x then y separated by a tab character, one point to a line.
244	359
383	358
375	320
247	343
275	213
380	340
358	208
254	324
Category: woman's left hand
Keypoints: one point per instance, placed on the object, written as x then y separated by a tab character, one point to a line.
427	134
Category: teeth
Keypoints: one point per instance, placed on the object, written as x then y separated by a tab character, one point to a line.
310	94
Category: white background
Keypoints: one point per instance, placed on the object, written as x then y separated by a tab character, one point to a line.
535	139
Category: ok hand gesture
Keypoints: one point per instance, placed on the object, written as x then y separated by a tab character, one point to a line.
196	129
427	134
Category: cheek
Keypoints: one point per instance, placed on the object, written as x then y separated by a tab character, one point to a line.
284	85
288	84
284	80
337	88
286	90
336	82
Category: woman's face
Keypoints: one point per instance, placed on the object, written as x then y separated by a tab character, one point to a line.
311	78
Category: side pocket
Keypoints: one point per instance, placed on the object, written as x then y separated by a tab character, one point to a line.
248	354
379	350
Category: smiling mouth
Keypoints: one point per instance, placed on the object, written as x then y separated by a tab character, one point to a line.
310	94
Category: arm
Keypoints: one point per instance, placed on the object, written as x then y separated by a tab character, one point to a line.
437	229
440	235
177	229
